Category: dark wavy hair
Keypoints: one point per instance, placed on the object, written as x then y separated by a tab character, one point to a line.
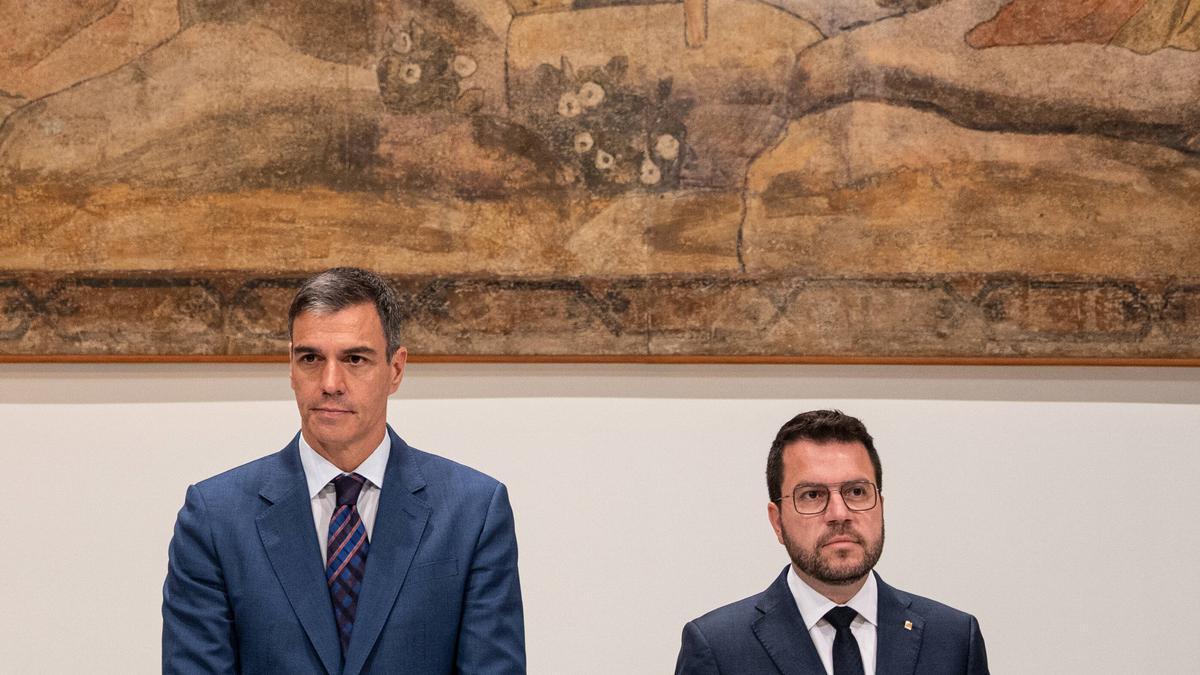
819	426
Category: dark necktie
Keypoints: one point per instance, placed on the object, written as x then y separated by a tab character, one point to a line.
347	554
847	660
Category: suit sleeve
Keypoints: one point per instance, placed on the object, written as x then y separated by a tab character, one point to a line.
197	632
977	654
695	656
492	635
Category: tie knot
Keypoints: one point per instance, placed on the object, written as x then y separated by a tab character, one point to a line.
840	617
348	485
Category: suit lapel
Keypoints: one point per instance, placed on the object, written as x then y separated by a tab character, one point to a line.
286	530
897	647
399	525
781	631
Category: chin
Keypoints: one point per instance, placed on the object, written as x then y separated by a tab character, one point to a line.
329	433
844	564
846	581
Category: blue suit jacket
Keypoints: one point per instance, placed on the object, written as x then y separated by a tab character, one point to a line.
245	588
765	634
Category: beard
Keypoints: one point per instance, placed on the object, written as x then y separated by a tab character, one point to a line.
812	563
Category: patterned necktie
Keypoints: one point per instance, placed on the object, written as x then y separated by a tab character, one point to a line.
347	554
847	660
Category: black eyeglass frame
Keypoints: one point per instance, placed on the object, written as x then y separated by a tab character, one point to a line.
829	495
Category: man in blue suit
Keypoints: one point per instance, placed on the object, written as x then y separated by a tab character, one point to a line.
828	612
348	551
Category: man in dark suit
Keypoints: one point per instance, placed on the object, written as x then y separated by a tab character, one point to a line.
348	551
828	612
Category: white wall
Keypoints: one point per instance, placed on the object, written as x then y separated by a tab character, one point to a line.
1058	505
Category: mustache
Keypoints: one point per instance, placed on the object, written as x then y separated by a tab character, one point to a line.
840	529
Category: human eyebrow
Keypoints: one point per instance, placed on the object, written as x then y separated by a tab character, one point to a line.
831	485
301	350
363	350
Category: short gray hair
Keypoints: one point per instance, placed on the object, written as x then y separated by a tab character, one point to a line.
341	287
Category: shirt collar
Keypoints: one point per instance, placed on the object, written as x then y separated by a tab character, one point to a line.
318	471
813	605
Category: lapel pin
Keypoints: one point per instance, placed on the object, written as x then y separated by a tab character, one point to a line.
907	625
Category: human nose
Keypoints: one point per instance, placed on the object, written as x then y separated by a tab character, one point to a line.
332	378
836	509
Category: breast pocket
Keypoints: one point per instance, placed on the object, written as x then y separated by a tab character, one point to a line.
436	569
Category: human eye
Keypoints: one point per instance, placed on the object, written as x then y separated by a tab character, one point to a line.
855	490
356	359
307	358
809	494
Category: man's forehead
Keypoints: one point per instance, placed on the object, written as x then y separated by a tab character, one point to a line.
841	459
361	321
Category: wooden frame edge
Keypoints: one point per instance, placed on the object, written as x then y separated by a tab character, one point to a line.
637	359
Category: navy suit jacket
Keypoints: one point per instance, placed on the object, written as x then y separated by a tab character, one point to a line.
246	592
765	634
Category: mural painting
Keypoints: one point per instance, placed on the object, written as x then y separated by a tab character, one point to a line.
859	179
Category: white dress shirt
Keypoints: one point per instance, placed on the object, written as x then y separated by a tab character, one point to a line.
319	473
813	606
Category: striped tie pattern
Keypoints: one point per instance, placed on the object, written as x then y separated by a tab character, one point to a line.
347	554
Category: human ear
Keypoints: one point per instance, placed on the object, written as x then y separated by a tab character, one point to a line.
774	515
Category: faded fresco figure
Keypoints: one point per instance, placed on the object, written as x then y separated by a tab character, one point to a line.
1143	26
651	178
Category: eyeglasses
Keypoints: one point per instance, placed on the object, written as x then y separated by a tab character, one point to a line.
809	500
